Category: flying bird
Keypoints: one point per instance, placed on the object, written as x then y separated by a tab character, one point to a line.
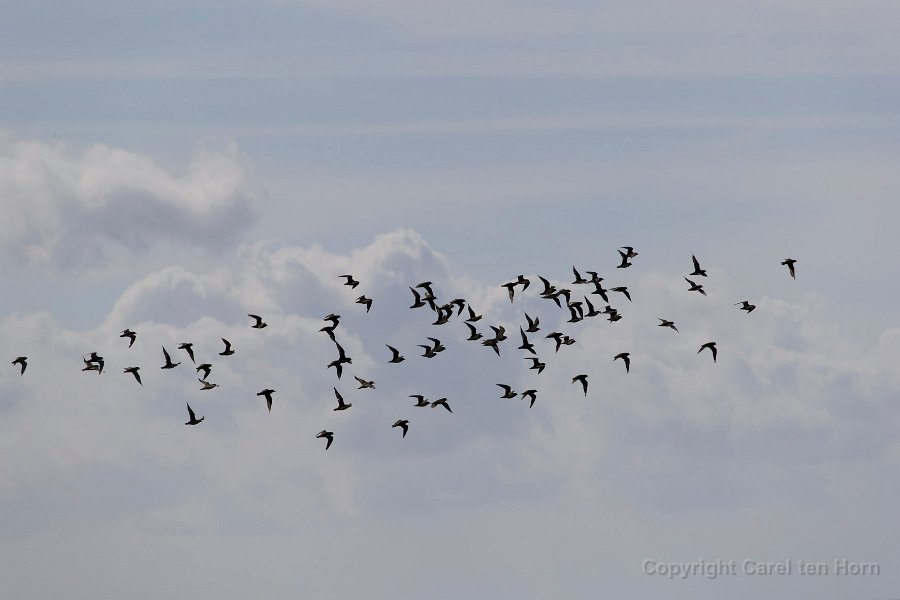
441	402
426	285
473	334
510	289
94	362
366	301
259	324
417	302
328	435
420	400
22	361
536	364
697	270
629	251
341	404
533	324
338	367
622	290
206	368
532	395
712	348
207	385
625	356
403	424
557	337
350	281
227	351
745	305
189	348
508	391
395	355
578	278
472	316
268	395
127	333
592	312
526	345
192	419
789	262
625	264
665	323
695	287
363	384
134	371
169	364
584	382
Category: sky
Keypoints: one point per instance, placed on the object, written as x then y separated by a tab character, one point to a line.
171	167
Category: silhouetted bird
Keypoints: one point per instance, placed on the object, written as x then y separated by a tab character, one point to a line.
624	264
592	312
206	368
417	302
697	270
695	287
578	278
510	289
745	305
366	301
532	395
328	435
526	345
473	334
268	395
341	404
363	384
508	392
192	419
350	281
420	400
134	371
259	324
665	323
403	424
22	361
127	333
625	358
536	364
533	324
790	265
472	316
584	383
712	348
169	364
189	348
207	385
441	402
227	351
622	290
395	355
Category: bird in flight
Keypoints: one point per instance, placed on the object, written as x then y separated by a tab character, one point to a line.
625	264
510	289
350	281
169	364
473	334
441	402
420	400
227	351
508	391
259	323
526	345
206	368
665	323
578	278
341	404
536	364
789	262
533	324
134	371
625	356
403	424
697	270
268	395
363	384
328	435
207	385
417	302
629	251
695	287
584	382
192	419
622	290
366	301
395	355
22	361
127	333
189	348
472	316
712	348
94	362
745	305
531	395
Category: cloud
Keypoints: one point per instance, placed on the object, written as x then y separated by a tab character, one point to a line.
68	210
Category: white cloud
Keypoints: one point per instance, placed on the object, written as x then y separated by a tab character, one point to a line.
70	209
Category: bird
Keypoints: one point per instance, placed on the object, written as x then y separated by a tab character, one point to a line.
227	351
192	419
363	384
268	395
584	382
536	364
508	391
622	290
328	435
338	367
712	348
592	312
697	270
695	287
629	251
472	316
578	278
438	346
665	323
350	281
499	332
206	368
403	424
429	351
789	262
600	291
493	343
366	301
134	371
169	364
94	362
625	264
342	355
420	400
557	337
526	345
532	395
207	385
22	361
417	302
395	355
189	348
441	402
473	334
625	356
567	341
533	324
335	319
548	288
341	404
745	305
127	333
510	289
460	305
259	323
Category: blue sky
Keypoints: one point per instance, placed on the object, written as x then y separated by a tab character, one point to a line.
171	167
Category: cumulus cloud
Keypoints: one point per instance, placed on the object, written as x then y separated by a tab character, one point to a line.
68	209
789	401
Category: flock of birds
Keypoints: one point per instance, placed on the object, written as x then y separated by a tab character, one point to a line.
424	296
